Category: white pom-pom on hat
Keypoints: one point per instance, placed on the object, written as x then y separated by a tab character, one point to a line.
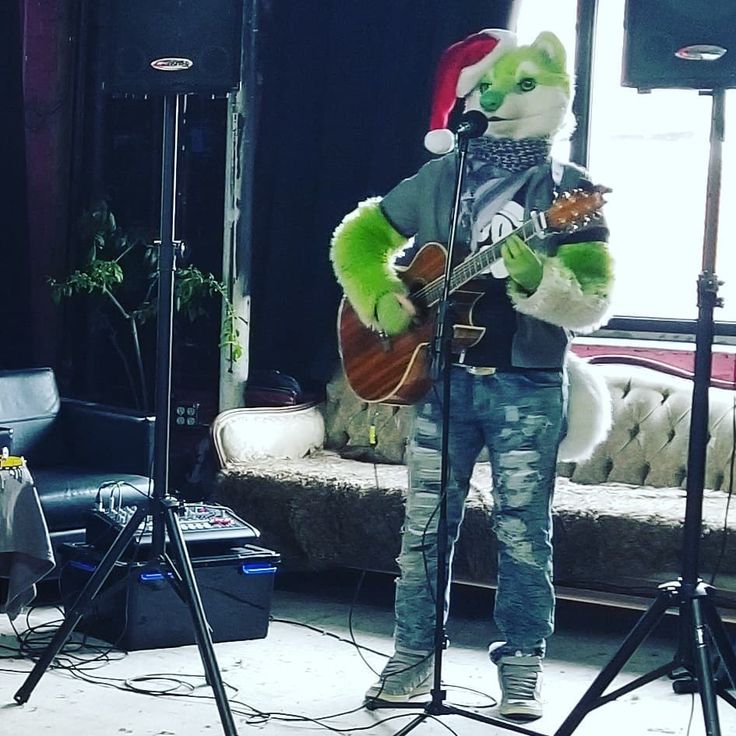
460	68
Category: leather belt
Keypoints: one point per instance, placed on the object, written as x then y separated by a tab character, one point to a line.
487	370
477	370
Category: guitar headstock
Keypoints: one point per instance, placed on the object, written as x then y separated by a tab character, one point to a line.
575	208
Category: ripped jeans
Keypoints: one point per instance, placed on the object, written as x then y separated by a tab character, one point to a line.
518	416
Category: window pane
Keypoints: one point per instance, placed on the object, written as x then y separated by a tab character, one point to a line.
652	150
559	17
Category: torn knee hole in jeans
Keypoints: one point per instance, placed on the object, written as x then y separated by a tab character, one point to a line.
413	573
513	534
419	538
520	491
519	459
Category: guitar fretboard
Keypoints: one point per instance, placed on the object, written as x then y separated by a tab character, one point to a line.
474	264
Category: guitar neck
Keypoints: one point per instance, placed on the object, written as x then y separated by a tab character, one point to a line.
477	262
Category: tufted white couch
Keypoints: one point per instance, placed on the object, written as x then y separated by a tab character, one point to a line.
618	516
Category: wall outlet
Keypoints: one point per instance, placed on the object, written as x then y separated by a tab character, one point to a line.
186	414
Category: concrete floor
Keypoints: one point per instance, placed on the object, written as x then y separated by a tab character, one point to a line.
308	677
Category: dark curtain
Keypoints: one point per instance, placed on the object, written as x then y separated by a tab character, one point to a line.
345	97
15	347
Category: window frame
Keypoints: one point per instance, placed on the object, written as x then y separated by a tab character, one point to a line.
631	327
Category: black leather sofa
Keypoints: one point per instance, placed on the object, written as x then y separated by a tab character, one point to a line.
76	451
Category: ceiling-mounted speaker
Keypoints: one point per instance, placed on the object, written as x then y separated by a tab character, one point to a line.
170	46
680	44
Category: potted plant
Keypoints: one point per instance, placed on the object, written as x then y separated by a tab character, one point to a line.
118	273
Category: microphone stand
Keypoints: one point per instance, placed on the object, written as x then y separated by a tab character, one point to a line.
441	369
177	566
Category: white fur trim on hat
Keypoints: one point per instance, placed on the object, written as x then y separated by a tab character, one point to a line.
439	141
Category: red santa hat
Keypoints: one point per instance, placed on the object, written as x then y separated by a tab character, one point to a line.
460	68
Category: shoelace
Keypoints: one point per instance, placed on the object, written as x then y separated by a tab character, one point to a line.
398	665
520	681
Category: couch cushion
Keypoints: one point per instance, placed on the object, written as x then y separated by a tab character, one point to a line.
325	510
363	431
29	404
648	443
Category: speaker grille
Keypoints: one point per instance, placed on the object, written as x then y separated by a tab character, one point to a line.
654	30
197	45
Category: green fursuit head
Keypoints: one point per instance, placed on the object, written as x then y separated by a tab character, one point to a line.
525	95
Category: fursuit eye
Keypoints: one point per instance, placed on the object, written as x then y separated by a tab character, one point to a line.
527	84
484	87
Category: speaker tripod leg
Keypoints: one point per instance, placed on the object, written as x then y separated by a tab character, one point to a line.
637	635
201	628
177	581
79	607
703	670
720	637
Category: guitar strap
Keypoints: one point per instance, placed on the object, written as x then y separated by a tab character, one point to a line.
490	197
557	169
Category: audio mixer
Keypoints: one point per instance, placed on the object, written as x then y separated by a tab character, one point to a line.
206	528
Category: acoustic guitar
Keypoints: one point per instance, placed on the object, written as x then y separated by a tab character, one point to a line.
396	369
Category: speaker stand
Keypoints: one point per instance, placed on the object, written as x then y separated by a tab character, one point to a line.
162	507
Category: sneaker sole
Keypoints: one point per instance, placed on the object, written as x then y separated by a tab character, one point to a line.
520	713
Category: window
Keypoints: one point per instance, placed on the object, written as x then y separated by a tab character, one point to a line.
652	150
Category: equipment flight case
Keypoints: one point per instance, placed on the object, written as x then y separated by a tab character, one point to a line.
139	608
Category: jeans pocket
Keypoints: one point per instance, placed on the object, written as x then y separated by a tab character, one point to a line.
542	379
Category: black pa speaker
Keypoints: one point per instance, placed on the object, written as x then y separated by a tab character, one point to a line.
684	44
170	46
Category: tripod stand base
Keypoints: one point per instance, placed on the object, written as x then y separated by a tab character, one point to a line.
182	579
437	707
702	632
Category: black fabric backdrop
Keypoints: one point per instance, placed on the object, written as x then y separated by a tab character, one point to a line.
345	90
15	347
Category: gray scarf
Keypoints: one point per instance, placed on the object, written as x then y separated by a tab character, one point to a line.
496	169
508	154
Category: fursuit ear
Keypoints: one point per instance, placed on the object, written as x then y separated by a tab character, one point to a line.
547	44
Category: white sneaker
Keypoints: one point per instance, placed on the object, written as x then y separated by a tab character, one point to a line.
520	677
405	676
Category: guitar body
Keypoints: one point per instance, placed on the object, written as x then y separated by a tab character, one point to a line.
396	370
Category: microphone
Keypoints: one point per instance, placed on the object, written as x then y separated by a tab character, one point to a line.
472	124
